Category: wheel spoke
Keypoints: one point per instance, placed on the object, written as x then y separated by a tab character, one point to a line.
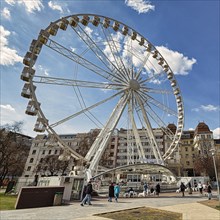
98	52
116	55
149	99
80	60
157	91
136	134
158	121
137	76
78	83
85	110
149	130
95	152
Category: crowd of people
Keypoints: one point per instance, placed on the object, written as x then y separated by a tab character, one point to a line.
202	188
114	191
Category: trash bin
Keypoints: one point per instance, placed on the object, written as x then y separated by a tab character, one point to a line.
58	198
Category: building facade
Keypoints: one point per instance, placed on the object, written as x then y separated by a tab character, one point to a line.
181	162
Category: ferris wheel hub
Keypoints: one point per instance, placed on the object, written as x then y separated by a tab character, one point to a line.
134	84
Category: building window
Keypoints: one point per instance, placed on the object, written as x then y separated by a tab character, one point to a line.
49	152
31	160
187	163
55	152
41	160
186	148
43	152
208	136
34	152
29	168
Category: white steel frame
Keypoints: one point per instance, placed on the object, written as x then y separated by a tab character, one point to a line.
123	77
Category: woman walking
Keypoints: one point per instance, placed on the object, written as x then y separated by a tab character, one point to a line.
116	192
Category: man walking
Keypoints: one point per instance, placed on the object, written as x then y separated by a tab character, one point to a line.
88	194
209	191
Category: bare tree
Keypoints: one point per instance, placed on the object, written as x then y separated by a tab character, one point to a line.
204	164
14	149
52	166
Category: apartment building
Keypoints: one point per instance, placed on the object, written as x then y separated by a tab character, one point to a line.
119	149
127	152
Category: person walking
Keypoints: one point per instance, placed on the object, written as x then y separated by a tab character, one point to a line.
200	187
88	196
182	189
116	192
110	192
157	189
145	188
189	188
209	191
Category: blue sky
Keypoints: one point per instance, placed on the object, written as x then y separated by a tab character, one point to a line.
185	32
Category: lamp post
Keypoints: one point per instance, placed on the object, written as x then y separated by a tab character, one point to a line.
216	174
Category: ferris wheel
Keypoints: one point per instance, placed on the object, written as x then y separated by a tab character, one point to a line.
87	70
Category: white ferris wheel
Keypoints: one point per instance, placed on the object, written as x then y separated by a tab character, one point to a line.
91	67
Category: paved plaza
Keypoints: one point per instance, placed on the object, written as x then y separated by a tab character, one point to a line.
188	205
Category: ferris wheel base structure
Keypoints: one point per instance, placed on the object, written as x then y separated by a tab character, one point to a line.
149	173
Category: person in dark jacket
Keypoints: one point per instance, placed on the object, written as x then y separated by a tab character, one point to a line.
110	192
158	189
209	191
182	189
87	198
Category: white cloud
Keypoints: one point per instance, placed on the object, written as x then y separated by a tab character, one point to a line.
195	109
6	13
209	108
89	31
72	49
30	6
42	71
8	56
206	108
216	133
180	64
8	114
55	6
10	2
7	108
141	6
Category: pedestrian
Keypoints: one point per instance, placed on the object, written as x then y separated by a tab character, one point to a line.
200	187
209	190
190	188
157	189
87	198
182	189
195	186
116	192
145	188
110	192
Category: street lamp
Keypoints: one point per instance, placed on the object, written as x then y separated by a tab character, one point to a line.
216	174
